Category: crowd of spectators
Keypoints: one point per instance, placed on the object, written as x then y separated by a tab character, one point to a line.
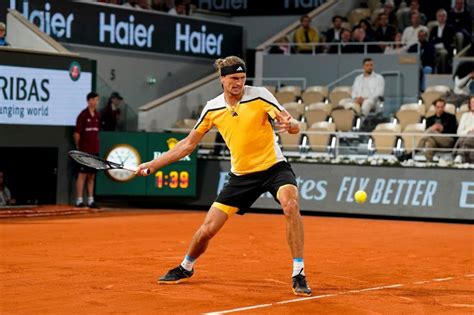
173	7
392	28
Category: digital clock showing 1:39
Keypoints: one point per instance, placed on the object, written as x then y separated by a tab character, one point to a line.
176	179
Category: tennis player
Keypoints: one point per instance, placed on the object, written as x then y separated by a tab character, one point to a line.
245	117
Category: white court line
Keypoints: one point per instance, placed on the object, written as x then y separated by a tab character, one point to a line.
328	295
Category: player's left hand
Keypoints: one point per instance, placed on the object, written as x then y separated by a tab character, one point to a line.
283	122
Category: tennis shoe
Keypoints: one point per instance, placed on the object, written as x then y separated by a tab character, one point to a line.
300	286
176	275
93	205
80	205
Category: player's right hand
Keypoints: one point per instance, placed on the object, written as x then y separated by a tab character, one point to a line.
144	169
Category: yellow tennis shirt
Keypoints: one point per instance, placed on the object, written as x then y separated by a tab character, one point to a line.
247	130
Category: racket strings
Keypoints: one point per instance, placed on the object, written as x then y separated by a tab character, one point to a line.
91	162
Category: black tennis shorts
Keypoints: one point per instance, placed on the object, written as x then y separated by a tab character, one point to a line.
242	191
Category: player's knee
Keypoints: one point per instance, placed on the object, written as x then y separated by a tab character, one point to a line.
290	207
207	233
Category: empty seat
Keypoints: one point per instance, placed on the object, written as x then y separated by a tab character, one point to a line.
384	136
294	109
411	142
288	93
438	88
339	93
407	117
319	142
291	142
414	106
317	112
271	88
314	94
350	104
343	119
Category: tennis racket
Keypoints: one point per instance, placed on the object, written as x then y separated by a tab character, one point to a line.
94	161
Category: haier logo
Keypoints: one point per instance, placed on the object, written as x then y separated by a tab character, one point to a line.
306	4
54	24
198	42
124	33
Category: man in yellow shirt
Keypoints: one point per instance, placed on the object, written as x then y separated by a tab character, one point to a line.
305	36
244	115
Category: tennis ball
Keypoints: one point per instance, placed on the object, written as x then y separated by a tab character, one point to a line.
360	196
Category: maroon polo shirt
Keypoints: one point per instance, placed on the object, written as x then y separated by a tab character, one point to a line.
87	126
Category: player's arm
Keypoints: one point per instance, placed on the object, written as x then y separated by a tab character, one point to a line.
180	150
286	123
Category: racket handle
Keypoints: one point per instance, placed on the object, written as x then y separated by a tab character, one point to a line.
146	171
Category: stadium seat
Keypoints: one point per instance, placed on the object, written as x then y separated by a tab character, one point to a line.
438	88
319	142
350	104
411	142
189	123
450	108
314	94
343	119
429	97
407	117
317	112
291	142
295	109
414	106
271	89
288	93
385	143
339	93
358	14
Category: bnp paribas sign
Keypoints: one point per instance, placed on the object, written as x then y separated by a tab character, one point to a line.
109	26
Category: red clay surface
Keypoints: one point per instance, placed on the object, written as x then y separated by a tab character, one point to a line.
109	262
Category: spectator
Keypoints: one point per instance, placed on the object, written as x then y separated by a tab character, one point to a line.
306	35
397	47
345	46
385	32
440	123
132	4
5	195
358	39
405	17
3	29
388	9
143	4
368	88
427	56
86	138
159	5
179	8
410	34
369	32
281	46
111	113
466	136
334	33
461	19
442	37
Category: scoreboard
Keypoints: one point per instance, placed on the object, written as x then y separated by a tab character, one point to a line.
134	148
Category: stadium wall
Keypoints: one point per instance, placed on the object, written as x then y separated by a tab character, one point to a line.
392	191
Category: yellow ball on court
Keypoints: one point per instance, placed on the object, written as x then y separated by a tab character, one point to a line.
360	196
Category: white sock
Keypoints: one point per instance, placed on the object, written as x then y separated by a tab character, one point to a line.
79	200
90	200
298	266
188	263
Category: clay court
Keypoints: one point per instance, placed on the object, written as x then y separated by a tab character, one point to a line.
109	262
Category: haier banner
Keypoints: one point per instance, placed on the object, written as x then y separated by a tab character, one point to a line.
40	89
118	27
392	191
248	7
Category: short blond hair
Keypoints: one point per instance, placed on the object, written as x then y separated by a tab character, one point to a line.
3	26
227	61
